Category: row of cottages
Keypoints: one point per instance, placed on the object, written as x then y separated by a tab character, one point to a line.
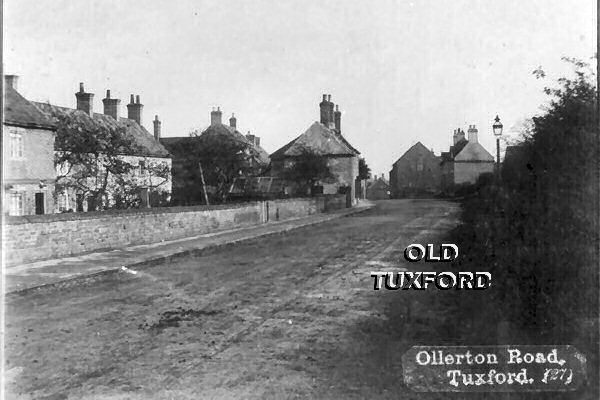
420	173
324	138
187	187
31	174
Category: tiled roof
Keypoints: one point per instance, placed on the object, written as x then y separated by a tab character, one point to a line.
220	129
144	140
415	147
319	139
19	111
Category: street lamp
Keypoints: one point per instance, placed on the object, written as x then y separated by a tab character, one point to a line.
497	127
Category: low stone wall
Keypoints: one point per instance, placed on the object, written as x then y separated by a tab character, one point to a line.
38	237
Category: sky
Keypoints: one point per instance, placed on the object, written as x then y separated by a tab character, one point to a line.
401	71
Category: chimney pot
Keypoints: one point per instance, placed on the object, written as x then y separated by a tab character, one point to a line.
337	116
157	128
233	121
131	99
81	87
108	93
137	99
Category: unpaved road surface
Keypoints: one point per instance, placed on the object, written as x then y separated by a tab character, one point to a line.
289	316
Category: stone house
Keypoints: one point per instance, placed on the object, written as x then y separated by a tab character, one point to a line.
416	173
465	161
145	156
27	154
186	174
323	138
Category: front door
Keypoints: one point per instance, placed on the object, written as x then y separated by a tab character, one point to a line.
39	203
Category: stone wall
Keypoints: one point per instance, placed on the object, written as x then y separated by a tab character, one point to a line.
38	237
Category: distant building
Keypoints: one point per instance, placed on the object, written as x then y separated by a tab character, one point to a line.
378	188
27	154
416	173
465	161
323	138
187	187
146	154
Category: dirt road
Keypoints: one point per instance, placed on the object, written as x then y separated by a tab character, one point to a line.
290	316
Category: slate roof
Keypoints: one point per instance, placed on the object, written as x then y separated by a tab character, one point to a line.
454	151
473	151
321	140
144	140
18	111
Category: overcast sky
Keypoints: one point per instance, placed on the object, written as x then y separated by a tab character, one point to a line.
401	71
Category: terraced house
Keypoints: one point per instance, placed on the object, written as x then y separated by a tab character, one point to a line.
143	176
27	155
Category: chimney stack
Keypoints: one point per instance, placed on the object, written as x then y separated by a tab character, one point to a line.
134	109
330	107
111	106
233	121
157	124
338	119
472	132
459	135
215	116
324	106
85	101
12	81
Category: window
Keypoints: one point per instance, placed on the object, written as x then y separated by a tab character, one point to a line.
420	164
17	203
142	166
16	144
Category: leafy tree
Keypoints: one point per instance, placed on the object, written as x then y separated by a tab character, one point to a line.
307	170
541	220
91	160
223	157
364	172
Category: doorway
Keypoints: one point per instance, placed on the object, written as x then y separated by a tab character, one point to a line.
39	203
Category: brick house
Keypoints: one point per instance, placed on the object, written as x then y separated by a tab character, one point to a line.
465	161
186	173
323	138
146	154
27	154
416	173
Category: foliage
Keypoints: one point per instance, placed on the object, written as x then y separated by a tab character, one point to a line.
364	172
91	161
307	170
223	158
539	228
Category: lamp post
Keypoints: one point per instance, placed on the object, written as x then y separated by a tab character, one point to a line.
497	128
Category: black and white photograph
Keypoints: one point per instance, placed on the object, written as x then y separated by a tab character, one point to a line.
300	199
